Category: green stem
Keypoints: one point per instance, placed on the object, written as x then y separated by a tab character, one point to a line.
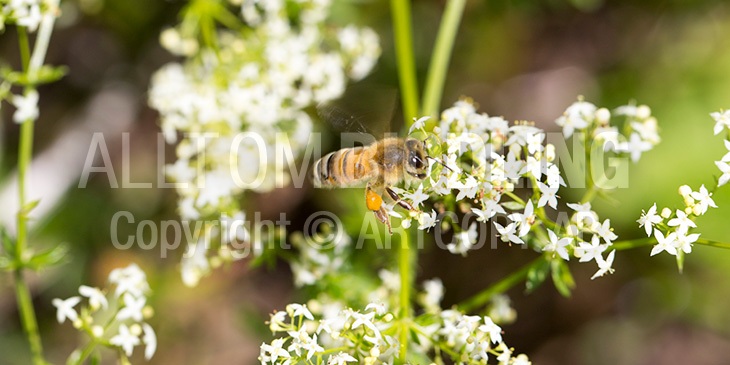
28	319
31	64
440	58
24	45
86	352
501	286
590	194
401	14
406	260
705	242
629	244
25	151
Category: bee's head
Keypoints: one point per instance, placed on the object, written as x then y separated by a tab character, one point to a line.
416	164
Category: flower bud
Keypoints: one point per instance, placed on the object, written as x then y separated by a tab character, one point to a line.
436	130
697	210
688	210
375	351
78	323
148	311
135	329
685	190
388	317
666	213
643	112
603	116
97	331
550	152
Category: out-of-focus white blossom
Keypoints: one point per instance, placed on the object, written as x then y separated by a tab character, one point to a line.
235	107
126	309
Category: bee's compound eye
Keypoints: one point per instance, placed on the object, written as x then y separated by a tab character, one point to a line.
416	162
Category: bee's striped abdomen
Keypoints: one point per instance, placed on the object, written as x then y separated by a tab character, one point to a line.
340	168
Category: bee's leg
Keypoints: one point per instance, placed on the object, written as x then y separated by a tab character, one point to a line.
382	216
398	200
375	203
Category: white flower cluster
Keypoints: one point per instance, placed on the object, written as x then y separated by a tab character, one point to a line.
26	13
673	236
329	333
124	312
638	135
474	170
235	105
317	257
722	121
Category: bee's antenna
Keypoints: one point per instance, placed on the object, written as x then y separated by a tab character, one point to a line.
440	162
425	140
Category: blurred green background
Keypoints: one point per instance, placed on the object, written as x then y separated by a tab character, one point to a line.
520	59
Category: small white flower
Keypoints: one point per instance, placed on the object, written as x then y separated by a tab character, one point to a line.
604	230
558	246
341	359
463	241
125	339
366	320
725	169
130	279
275	350
417	197
635	146
649	219
433	293
604	266
722	120
664	243
682	221
467	188
32	18
418	124
494	331
491	208
590	251
534	142
132	308
378	307
426	220
96	297
150	341
27	107
65	308
548	196
299	310
577	116
524	219
507	234
703	198
684	241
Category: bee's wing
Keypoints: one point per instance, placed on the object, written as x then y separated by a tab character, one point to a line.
340	119
365	108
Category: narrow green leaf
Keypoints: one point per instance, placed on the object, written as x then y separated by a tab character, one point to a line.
513	205
27	208
48	258
537	275
8	242
562	278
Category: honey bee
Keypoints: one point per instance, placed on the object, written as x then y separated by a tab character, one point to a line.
381	165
